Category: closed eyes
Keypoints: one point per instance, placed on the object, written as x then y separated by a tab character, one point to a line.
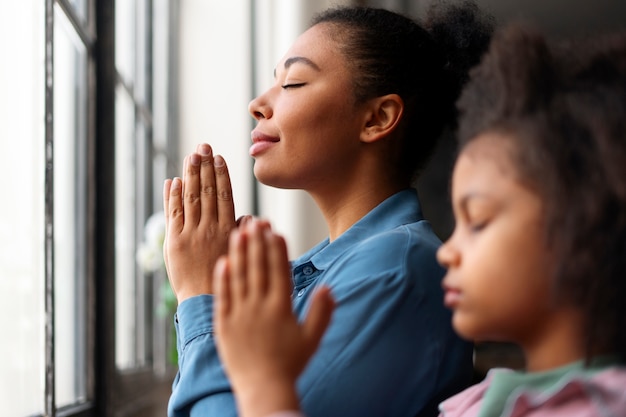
295	85
477	226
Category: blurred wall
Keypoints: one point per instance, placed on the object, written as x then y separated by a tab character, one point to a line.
214	86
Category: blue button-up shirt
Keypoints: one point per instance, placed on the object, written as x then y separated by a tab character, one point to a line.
390	349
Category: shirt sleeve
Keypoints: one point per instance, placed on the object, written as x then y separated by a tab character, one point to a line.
200	387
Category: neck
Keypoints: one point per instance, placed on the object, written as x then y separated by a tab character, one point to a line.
558	343
343	208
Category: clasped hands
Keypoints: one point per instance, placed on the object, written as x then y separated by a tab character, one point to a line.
199	218
245	265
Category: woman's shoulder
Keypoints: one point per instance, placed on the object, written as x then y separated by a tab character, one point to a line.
393	257
410	240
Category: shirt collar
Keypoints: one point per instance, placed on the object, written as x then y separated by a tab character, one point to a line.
399	209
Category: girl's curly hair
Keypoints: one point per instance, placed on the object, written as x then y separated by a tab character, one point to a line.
563	106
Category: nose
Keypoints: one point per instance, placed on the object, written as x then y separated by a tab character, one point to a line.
259	107
447	255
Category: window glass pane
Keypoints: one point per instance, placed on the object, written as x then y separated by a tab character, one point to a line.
126	323
125	40
22	165
70	121
81	8
143	299
134	288
160	83
141	56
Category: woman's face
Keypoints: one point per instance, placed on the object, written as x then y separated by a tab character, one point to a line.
498	280
308	123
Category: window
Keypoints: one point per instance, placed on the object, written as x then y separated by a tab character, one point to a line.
22	315
70	116
89	126
87	137
144	149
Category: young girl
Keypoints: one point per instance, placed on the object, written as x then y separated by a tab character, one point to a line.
537	257
358	103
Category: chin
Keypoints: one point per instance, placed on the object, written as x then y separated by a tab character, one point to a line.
276	179
465	335
264	176
273	181
465	329
480	332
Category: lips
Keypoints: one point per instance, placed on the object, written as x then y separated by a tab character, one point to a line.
452	297
261	143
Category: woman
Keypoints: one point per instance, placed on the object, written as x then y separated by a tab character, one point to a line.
536	257
358	103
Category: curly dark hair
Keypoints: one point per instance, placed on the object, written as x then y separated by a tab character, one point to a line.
426	65
563	107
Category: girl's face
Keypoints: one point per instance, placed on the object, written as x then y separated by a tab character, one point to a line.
499	269
308	127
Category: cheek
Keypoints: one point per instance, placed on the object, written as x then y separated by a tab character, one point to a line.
322	126
490	312
503	286
322	107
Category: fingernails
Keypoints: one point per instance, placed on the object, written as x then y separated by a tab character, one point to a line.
204	150
176	183
218	161
195	159
242	220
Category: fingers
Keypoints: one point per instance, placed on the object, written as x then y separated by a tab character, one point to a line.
318	317
173	205
225	205
166	200
166	204
242	220
215	188
191	196
258	262
253	298
196	236
221	284
208	189
238	264
258	272
278	263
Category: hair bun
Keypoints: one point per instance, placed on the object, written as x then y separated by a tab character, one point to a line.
462	33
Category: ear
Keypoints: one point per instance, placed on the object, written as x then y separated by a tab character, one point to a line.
382	117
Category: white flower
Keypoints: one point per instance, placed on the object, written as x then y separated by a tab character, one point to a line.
154	231
150	251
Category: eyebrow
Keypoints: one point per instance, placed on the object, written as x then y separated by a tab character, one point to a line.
299	59
465	199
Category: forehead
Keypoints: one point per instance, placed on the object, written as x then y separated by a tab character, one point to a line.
485	159
316	45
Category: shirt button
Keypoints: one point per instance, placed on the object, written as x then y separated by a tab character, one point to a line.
307	270
301	292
